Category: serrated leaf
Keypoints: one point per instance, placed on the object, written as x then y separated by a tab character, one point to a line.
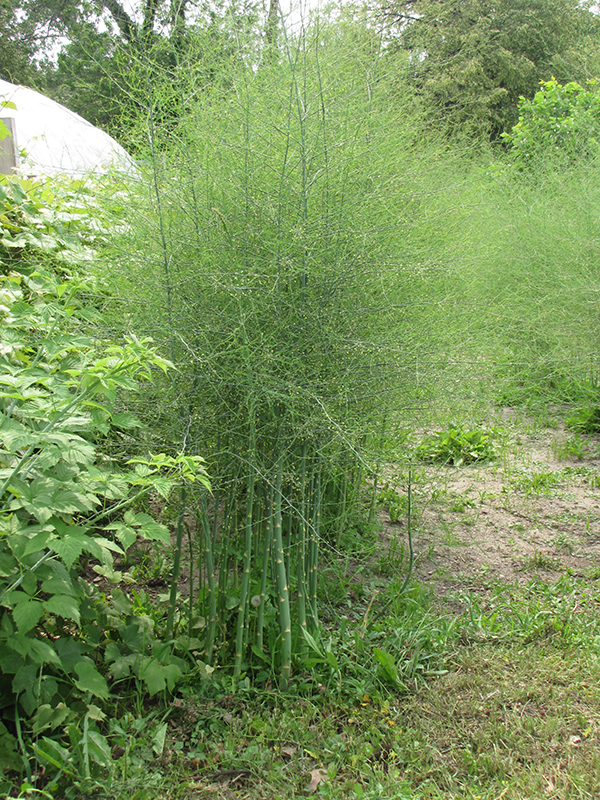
38	542
70	651
39	652
150	529
124	534
90	680
63	606
24	678
27	614
70	547
164	486
122	666
108	545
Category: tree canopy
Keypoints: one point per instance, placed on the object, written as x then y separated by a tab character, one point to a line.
103	58
472	59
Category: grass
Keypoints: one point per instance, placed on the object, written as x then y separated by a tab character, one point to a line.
499	700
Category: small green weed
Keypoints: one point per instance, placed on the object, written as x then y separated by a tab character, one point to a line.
566	449
542	561
393	496
586	419
461	503
457	446
538	483
392	562
563	542
395	502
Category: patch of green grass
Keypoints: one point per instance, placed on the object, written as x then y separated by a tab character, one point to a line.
394	501
563	542
461	503
585	474
500	699
539	483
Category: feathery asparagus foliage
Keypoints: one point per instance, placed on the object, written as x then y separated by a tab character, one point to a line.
274	287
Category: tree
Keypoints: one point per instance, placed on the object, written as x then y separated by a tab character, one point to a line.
471	60
29	30
560	122
110	60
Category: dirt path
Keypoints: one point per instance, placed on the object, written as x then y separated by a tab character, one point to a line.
535	510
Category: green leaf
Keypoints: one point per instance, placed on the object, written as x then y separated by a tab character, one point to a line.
90	680
121	603
95	713
25	677
158	676
52	753
60	582
388	664
125	421
38	542
108	545
309	638
124	534
4	130
27	613
63	606
122	666
9	757
70	547
98	748
39	652
70	652
150	529
48	717
162	485
158	740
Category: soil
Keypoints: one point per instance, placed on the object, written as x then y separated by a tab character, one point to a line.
533	511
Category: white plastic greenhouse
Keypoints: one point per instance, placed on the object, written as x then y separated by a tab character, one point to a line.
48	139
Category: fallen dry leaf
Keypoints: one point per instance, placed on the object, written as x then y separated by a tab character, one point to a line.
289	751
316	776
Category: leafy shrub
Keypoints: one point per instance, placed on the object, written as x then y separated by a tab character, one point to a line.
457	446
66	510
561	120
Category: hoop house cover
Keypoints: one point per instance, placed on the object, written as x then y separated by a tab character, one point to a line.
56	140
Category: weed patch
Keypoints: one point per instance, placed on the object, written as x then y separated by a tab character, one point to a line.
457	446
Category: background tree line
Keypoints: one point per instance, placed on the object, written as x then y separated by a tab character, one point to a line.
466	61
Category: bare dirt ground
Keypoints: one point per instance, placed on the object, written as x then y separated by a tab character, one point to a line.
534	510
